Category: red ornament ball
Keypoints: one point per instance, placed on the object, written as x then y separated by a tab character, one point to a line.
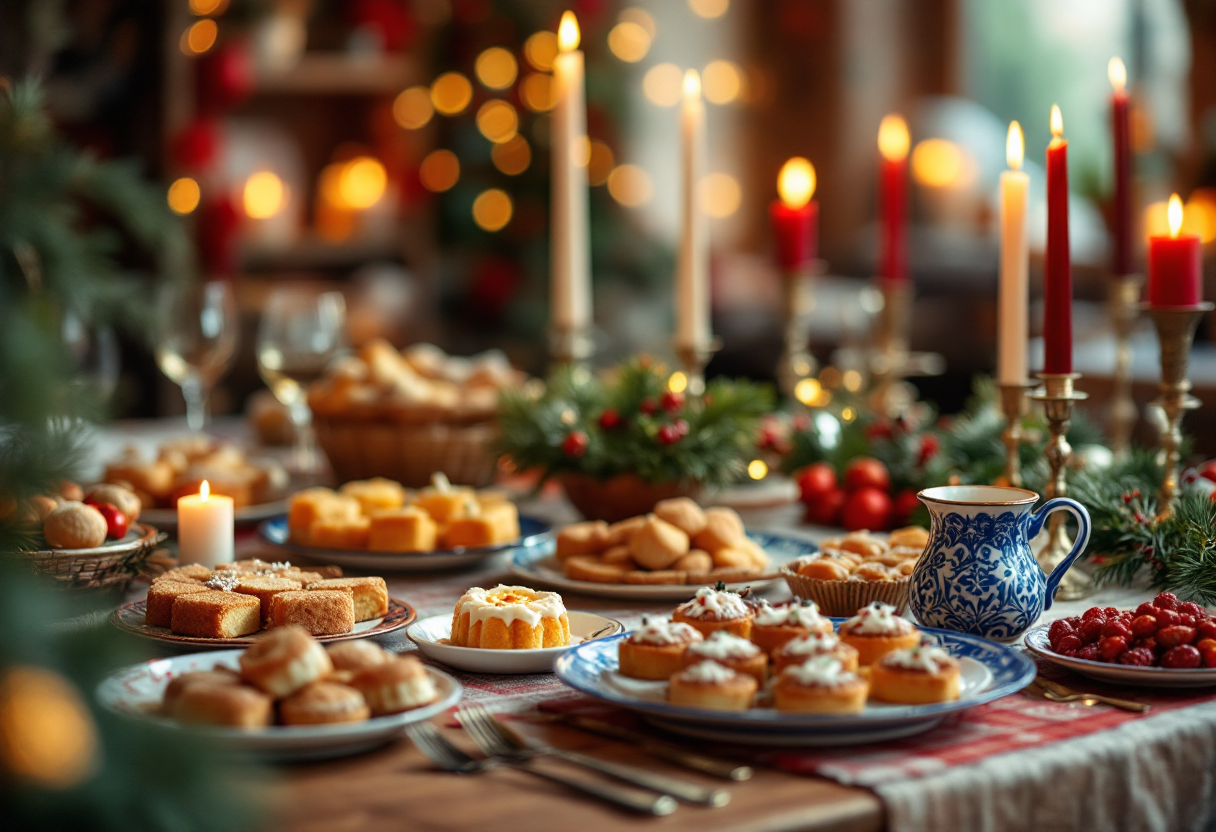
575	444
867	508
610	419
815	480
825	509
647	407
866	472
672	402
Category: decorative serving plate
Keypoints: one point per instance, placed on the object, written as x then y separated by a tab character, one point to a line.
137	691
431	635
1157	677
130	618
989	671
539	565
532	533
141	535
166	518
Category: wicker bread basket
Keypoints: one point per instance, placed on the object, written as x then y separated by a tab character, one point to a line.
410	452
845	598
105	569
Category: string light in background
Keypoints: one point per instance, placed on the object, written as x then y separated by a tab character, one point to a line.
513	156
183	195
492	209
540	50
709	9
599	166
497	121
536	91
720	194
629	41
757	469
439	171
200	36
807	391
677	382
208	7
641	17
412	109
496	68
939	163
663	84
362	182
47	736
264	195
630	185
722	82
451	93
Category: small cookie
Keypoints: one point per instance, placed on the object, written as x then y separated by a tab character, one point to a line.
622	531
826	569
863	544
682	513
734	558
695	561
658	544
591	568
588	538
914	537
723	529
873	571
731	575
619	554
659	576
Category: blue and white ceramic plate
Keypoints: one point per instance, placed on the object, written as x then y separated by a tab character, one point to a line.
1120	674
532	532
538	565
989	671
137	691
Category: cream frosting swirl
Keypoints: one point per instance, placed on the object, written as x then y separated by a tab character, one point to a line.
712	603
927	659
804	614
824	671
877	619
708	672
663	632
723	645
812	644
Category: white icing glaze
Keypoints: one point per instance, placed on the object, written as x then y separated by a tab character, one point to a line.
821	670
664	632
710	603
724	645
928	659
878	619
812	644
530	606
709	672
805	614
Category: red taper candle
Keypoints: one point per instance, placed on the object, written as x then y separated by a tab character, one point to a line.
893	143
1121	209
1175	264
1057	300
795	216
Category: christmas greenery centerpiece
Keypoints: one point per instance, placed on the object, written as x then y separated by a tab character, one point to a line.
618	443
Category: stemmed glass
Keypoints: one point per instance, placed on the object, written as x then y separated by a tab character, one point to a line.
301	332
196	340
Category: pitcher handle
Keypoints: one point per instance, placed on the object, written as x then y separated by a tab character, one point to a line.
1036	525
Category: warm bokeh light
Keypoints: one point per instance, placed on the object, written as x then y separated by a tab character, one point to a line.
1117	73
439	171
848	414
264	195
807	391
536	91
757	469
721	195
829	376
600	163
630	185
513	156
691	86
362	182
492	209
893	138
661	84
204	491
497	120
1015	146
851	380
1057	122
709	9
208	7
451	92
938	163
723	82
629	41
583	157
412	108
567	32
677	382
183	195
496	68
200	36
47	736
540	50
796	182
639	16
1199	215
1174	215
1156	220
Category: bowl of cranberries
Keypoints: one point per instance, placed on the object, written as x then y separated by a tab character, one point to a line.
1163	642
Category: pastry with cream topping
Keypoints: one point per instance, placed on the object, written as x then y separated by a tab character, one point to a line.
656	649
917	676
713	687
713	609
738	654
813	645
773	626
510	618
820	686
876	630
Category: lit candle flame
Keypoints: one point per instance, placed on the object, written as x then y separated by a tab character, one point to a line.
893	138
1174	214
1015	146
796	182
1057	122
567	32
204	491
1117	73
692	85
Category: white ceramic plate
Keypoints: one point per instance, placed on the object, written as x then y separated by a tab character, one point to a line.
538	565
989	671
1156	677
130	618
532	533
166	518
431	634
137	691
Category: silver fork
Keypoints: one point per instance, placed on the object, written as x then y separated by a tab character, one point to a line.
448	757
499	740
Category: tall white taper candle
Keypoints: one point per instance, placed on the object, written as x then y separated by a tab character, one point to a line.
570	266
692	268
1012	321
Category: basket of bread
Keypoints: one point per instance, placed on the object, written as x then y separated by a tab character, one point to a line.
403	415
858	569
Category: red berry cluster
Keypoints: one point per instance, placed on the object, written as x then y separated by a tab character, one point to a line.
1163	633
862	501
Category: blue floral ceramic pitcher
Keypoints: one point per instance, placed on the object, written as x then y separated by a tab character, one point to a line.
977	574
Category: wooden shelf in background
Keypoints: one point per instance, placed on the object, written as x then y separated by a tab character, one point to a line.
336	73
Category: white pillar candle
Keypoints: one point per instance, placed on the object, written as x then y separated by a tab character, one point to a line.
205	528
1012	324
692	268
570	260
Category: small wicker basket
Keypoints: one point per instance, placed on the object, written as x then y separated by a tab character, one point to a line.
105	569
845	598
410	452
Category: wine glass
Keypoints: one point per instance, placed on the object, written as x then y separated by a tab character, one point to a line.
196	341
301	332
93	359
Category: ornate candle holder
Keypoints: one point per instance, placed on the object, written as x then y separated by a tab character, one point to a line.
891	361
570	345
1176	332
693	361
1059	395
1124	307
1015	405
796	361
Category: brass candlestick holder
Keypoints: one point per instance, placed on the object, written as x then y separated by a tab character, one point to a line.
1176	332
1059	395
1015	404
891	361
1124	307
570	345
693	361
796	361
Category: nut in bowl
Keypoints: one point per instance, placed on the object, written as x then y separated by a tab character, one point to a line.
852	571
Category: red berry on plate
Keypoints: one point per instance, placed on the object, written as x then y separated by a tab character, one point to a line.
1058	630
866	472
1090	653
867	508
575	443
825	510
1138	657
1190	608
610	419
1168	618
1112	648
1149	643
1068	643
1094	613
672	401
1117	628
816	480
116	522
1182	657
1166	601
1146	608
1144	625
1173	636
1207	629
1207	652
1091	630
1186	620
1111	612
